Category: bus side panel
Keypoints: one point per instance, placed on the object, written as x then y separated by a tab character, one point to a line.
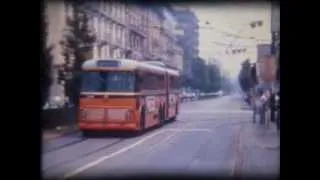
153	104
166	100
173	105
153	88
173	85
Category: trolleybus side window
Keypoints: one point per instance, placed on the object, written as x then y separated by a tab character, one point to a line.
174	82
149	81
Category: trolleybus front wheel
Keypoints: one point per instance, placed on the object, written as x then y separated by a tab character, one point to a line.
86	133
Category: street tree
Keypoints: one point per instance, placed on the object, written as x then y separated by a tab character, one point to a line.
244	76
77	44
45	64
207	77
214	77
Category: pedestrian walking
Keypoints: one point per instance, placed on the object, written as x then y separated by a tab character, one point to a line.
265	89
260	103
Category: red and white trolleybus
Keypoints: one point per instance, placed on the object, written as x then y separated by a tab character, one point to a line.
125	94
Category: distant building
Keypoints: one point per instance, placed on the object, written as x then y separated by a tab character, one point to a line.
275	28
189	41
178	57
262	50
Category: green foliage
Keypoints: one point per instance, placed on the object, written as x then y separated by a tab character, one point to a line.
78	40
207	77
247	76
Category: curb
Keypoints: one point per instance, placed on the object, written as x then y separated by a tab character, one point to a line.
54	134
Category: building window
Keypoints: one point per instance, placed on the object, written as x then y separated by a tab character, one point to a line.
118	11
113	32
100	28
105	5
90	22
111	8
99	52
114	9
68	9
134	42
107	51
117	33
138	43
123	13
102	52
96	28
101	5
108	7
102	25
109	29
111	52
123	37
106	29
120	34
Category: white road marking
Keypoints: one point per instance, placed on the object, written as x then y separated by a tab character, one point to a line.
163	141
189	130
216	112
103	158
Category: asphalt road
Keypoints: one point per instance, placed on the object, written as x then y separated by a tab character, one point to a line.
210	137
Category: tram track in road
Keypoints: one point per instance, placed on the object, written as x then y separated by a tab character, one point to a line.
48	150
75	138
84	144
83	155
62	135
182	128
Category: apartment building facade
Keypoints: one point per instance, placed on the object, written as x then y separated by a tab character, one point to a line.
123	31
154	45
108	20
189	41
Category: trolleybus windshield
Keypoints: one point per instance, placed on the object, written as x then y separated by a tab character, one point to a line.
108	81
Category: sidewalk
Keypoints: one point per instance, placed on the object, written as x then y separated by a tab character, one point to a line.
261	150
48	135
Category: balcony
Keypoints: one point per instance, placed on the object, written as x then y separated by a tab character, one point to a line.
170	51
108	37
138	29
102	43
117	43
155	44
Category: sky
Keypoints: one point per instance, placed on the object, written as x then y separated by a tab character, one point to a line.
231	18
